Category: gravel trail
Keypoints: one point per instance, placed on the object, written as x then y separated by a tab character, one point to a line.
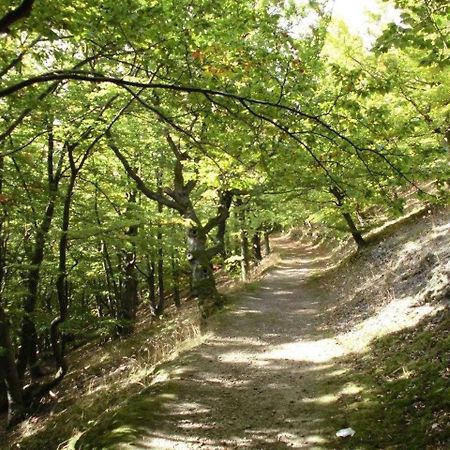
263	380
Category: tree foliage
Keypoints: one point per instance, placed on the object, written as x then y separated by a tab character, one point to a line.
145	144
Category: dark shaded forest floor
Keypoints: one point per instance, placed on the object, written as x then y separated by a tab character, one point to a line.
327	340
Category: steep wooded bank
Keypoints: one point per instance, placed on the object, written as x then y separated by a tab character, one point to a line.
146	147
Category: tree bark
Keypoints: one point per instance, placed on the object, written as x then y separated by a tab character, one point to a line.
13	16
339	195
151	269
360	242
28	335
267	249
61	281
160	252
244	246
198	254
203	282
113	289
129	294
256	246
9	373
176	281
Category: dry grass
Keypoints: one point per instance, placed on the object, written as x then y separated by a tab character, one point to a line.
102	375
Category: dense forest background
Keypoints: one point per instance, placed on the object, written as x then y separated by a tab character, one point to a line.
146	145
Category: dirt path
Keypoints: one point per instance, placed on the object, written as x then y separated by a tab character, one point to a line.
262	381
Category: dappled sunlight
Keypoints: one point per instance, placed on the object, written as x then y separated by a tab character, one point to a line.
322	350
441	231
223	381
323	399
281	292
395	316
316	439
186	408
245	312
228	341
351	389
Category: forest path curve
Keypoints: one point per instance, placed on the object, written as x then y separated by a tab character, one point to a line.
263	380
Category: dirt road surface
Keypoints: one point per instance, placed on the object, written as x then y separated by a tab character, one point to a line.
263	380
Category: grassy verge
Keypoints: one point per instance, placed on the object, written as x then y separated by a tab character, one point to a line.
404	396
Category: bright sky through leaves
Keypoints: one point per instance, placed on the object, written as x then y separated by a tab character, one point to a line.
356	15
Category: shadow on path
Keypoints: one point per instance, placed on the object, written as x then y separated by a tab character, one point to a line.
266	378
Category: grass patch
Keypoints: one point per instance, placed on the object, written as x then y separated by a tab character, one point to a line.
404	403
101	377
125	425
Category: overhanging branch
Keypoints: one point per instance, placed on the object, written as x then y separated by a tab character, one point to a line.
99	78
19	13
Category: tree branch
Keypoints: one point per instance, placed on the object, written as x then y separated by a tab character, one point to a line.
21	12
99	78
152	195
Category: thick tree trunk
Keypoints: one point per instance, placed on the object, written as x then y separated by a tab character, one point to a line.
178	198
203	282
267	249
360	242
9	373
256	246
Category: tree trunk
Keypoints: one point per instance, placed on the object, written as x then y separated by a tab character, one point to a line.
61	282
113	289
267	249
176	281
160	253
203	282
9	373
256	246
178	198
27	351
244	247
340	197
129	294
360	242
160	264
151	284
